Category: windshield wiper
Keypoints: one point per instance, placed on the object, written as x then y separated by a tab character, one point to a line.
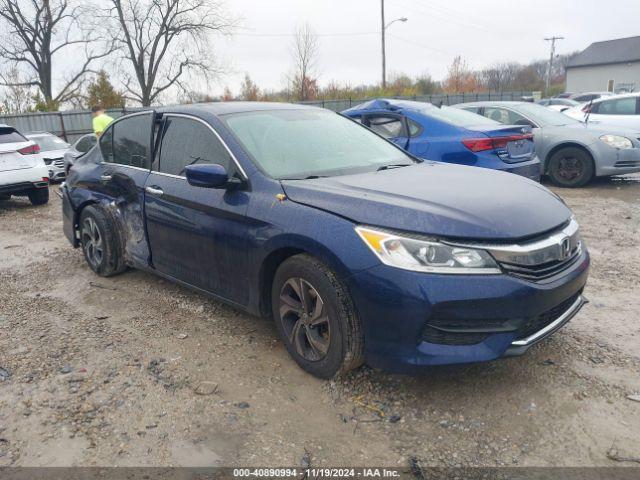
308	177
393	165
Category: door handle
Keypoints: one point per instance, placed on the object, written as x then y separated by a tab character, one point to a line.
105	178
154	191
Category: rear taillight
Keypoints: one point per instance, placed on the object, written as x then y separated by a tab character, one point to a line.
483	144
30	150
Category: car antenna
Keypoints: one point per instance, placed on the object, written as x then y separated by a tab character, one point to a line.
586	119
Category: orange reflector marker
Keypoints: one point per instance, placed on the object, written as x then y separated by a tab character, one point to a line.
374	239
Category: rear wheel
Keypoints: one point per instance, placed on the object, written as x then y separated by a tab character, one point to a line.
39	196
571	167
316	318
99	241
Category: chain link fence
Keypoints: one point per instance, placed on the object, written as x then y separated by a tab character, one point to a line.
71	125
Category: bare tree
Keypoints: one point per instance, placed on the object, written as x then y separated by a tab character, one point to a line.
36	33
500	76
460	78
249	91
165	41
305	50
16	98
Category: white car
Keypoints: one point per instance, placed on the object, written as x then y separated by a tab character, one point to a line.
619	110
52	150
22	170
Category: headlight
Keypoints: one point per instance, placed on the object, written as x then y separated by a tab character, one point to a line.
616	141
426	255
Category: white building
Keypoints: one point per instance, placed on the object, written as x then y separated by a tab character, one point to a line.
613	65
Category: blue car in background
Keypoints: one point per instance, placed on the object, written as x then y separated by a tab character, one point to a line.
358	251
444	134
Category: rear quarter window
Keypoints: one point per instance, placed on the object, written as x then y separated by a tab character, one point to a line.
10	135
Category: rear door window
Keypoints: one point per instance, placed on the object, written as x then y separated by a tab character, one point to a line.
386	126
106	144
132	140
620	106
10	135
187	141
85	143
505	116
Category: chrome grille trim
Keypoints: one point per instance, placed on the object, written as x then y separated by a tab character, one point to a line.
540	258
553	326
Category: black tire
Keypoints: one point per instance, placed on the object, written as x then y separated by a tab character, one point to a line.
571	167
100	242
39	196
330	342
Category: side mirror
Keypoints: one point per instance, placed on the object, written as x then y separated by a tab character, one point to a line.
210	175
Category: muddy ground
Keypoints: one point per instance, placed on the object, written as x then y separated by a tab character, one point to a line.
133	370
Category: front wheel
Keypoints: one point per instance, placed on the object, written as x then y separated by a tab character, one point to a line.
316	318
39	196
571	167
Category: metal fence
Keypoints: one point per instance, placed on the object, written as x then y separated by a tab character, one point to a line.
71	125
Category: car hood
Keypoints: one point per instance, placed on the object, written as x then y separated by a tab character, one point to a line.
438	199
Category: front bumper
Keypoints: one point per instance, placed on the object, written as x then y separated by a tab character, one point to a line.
56	169
610	161
476	318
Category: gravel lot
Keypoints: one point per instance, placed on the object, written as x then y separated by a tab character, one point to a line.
132	371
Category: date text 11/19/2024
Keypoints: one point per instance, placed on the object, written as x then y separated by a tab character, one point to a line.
316	472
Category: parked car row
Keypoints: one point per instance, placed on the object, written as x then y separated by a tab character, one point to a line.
360	250
571	152
22	170
517	137
29	162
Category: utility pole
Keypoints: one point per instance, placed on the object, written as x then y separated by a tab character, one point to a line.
553	52
383	29
384	55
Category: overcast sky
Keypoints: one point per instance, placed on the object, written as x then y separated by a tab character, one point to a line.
482	31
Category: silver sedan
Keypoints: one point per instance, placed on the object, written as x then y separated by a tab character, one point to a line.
571	152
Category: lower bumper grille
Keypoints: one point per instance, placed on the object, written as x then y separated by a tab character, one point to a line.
452	333
536	324
627	164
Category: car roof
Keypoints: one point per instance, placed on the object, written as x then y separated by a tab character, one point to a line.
391	104
486	103
615	97
225	108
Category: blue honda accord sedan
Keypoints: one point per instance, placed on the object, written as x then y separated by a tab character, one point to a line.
445	135
358	251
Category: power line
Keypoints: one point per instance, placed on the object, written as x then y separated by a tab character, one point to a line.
442	14
420	45
338	34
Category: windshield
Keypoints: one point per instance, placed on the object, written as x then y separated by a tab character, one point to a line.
296	144
458	117
50	142
544	116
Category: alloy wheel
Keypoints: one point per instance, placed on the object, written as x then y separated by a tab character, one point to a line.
305	319
92	241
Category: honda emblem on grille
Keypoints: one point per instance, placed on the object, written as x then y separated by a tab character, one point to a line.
565	248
